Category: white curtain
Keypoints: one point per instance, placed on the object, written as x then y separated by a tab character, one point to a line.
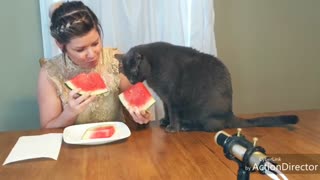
127	23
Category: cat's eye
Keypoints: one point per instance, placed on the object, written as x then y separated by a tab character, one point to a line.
138	56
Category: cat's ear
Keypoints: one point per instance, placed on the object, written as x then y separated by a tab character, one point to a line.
119	57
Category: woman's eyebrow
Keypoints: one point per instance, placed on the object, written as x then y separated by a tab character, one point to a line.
81	47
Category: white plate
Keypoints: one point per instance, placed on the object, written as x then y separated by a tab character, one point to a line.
73	134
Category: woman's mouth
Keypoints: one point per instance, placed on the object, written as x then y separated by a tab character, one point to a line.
92	63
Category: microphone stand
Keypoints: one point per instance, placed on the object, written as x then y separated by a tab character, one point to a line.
244	167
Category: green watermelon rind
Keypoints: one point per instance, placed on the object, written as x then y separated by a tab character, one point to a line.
146	106
70	85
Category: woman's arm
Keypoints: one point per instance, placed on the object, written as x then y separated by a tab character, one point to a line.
52	114
124	83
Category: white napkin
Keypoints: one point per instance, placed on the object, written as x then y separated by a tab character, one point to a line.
39	146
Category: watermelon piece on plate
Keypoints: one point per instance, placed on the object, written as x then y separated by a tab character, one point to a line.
89	83
137	96
97	132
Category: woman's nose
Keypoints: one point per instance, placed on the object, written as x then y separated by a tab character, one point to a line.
90	53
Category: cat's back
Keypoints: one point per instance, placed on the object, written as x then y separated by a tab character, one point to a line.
168	54
186	54
161	49
198	60
202	68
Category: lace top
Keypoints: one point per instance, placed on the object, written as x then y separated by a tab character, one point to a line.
105	107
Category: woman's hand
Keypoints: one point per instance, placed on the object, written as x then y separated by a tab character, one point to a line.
52	113
78	103
141	117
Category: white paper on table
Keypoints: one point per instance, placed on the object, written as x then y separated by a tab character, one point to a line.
39	146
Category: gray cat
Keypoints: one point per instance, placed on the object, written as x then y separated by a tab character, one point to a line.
195	88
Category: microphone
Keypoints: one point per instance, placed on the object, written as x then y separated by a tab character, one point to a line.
248	156
239	148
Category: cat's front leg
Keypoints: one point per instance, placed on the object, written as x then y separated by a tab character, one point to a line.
174	125
172	128
164	122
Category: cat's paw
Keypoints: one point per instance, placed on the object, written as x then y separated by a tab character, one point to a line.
164	122
185	128
171	129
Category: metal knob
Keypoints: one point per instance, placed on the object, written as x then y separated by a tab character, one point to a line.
255	139
239	132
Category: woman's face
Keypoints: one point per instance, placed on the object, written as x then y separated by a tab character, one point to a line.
85	50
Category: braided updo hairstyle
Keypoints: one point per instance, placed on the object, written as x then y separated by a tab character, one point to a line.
72	19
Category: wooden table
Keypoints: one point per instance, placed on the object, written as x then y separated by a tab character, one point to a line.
151	153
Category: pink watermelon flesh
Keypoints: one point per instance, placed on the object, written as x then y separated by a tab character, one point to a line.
99	132
91	82
137	96
102	128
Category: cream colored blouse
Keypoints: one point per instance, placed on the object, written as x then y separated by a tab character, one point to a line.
106	107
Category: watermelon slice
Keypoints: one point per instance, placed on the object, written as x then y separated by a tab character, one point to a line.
89	83
97	132
137	96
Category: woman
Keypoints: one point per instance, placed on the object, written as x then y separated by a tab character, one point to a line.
77	33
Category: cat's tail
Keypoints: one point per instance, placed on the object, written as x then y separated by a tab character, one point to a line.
269	121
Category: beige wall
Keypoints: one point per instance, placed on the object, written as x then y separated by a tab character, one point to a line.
20	49
272	50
